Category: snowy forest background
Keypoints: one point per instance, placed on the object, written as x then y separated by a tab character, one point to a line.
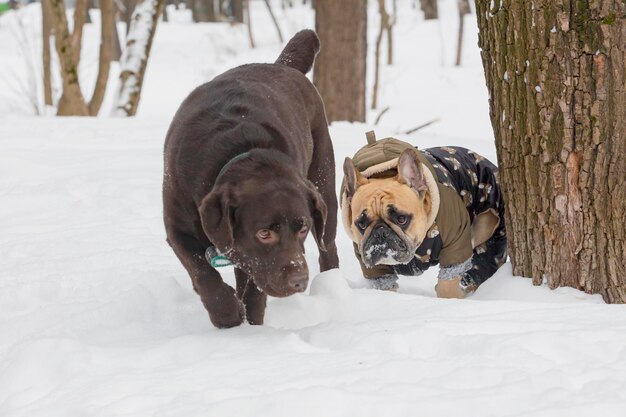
98	317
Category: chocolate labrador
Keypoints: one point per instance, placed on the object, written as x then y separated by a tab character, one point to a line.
249	170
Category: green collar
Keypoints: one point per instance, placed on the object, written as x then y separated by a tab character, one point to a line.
215	258
229	163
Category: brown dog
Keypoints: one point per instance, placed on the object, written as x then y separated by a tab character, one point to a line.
249	170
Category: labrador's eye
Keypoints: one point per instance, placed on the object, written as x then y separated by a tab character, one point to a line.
266	236
303	230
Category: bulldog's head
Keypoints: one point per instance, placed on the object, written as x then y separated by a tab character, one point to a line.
388	218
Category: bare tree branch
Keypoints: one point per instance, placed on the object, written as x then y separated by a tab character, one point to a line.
415	129
80	17
380	115
107	26
384	22
464	8
249	23
269	9
46	31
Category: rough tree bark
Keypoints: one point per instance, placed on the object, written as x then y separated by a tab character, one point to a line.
46	26
135	57
429	7
72	102
339	73
384	26
556	73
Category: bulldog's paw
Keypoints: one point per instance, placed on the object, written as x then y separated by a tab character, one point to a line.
225	309
388	282
454	288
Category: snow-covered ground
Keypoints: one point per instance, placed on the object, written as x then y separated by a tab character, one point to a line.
98	317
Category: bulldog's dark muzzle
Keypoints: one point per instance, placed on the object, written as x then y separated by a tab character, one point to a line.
384	246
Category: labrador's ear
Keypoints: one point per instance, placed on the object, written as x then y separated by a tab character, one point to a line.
217	216
319	213
352	178
410	171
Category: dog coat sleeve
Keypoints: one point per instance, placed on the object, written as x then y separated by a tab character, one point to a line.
455	228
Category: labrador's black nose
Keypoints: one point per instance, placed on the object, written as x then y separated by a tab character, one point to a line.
297	282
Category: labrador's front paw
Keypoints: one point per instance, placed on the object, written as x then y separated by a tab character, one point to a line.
225	309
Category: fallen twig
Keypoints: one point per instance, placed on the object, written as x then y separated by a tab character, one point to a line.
415	129
380	115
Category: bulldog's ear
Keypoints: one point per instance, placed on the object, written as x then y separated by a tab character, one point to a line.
353	177
217	217
410	171
319	213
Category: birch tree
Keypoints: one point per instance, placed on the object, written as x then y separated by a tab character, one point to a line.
135	57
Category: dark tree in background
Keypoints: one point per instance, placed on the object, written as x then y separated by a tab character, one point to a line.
429	7
46	30
556	73
339	73
238	7
203	11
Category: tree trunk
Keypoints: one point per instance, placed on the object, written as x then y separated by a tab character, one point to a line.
464	8
127	15
249	23
107	25
237	10
46	22
80	17
339	73
72	102
429	7
135	57
556	73
116	52
203	11
384	24
391	22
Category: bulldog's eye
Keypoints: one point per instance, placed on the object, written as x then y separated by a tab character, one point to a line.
401	219
361	223
267	236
